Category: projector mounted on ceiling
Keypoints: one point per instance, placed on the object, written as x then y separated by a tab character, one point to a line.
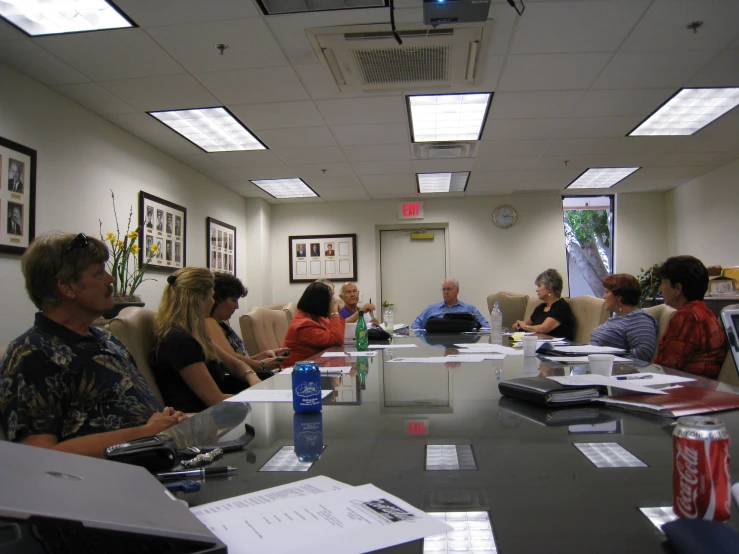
445	12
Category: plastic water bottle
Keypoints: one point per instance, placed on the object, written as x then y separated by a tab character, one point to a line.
306	387
496	325
388	320
361	333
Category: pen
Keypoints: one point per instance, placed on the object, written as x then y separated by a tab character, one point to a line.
201	473
629	377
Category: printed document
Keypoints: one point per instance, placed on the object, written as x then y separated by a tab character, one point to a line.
339	369
393	346
643	384
347	354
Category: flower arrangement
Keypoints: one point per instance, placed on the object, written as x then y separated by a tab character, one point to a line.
126	270
388	304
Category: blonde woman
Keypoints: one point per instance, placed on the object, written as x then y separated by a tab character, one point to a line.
187	365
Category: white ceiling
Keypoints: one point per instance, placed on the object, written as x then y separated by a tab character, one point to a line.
571	79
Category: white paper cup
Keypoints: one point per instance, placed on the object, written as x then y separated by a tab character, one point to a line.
601	364
529	345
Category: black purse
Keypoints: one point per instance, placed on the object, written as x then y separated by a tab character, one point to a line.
452	323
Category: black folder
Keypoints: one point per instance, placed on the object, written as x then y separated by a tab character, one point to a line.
547	392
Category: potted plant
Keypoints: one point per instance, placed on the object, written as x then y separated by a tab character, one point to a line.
123	263
650	283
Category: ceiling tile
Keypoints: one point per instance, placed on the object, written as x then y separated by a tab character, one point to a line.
220	174
490	182
577	127
150	130
503	148
94	97
722	71
350	135
358	111
8	32
549	27
506	163
278	115
200	161
112	55
344	194
511	105
256	85
686	158
612	103
389	184
249	158
488	79
380	168
337	181
297	138
318	170
248	190
622	145
173	12
311	155
36	62
166	92
651	69
443	166
703	142
380	152
400	195
552	71
265	172
250	44
663	27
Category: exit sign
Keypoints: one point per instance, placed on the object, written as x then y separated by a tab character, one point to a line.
417	426
410	210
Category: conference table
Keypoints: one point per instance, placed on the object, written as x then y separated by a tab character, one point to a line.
541	493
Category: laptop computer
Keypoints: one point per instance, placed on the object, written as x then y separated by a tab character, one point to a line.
730	319
58	502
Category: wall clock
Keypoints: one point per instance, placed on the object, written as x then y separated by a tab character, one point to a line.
504	216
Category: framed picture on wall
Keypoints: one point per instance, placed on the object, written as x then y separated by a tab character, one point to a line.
163	227
17	196
220	239
332	257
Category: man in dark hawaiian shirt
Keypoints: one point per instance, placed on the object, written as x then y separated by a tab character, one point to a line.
64	384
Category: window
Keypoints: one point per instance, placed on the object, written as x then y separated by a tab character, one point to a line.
588	223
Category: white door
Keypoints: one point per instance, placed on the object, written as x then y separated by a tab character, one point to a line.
411	271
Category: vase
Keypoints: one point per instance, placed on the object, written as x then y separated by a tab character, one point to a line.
388	319
118	306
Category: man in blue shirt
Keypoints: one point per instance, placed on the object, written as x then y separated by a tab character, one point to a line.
450	305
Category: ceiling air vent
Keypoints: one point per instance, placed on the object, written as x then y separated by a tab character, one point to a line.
440	150
367	57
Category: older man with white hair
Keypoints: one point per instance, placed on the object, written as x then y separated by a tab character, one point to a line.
450	305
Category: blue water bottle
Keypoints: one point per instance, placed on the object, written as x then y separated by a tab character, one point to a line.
306	387
308	436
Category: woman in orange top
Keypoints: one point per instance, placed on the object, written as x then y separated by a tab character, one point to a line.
316	326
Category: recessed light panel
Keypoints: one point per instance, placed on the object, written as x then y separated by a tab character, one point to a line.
659	515
286	460
449	457
285	188
212	129
54	17
472	532
601	177
608	454
688	111
442	182
448	117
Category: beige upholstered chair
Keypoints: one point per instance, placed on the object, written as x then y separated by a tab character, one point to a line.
134	327
276	306
290	310
729	373
531	305
263	329
589	312
512	305
662	314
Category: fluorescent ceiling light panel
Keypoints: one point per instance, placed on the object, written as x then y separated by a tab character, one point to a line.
608	454
212	129
601	177
472	533
442	182
448	117
659	515
285	188
446	457
286	460
688	111
54	17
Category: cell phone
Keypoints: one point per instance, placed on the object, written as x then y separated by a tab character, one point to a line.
157	453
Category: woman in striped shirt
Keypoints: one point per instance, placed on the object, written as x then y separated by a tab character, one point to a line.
630	328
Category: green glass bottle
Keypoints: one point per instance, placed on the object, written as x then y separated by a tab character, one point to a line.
361	333
362	370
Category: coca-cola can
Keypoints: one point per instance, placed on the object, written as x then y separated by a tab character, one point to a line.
701	474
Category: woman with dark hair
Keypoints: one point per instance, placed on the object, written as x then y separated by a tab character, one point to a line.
554	316
227	291
694	340
630	328
316	325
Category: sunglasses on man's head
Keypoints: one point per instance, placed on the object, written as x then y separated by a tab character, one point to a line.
80	241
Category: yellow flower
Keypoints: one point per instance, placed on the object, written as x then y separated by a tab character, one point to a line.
134	249
154	248
120	244
133	235
110	237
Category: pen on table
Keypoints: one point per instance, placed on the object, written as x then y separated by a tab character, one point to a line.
371	314
201	473
635	376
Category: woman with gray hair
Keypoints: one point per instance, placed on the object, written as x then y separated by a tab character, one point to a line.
554	316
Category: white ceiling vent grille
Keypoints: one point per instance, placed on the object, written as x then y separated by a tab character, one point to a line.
393	66
441	150
367	57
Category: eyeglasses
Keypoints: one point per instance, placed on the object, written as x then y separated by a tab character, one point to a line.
80	241
448	290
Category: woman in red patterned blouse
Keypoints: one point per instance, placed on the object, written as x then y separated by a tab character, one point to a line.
694	341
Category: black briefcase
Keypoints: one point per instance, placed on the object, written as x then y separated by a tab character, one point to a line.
452	323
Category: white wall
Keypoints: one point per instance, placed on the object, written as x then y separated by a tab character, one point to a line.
703	216
483	257
641	231
80	157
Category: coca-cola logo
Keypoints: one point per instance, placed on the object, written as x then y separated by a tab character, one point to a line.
686	463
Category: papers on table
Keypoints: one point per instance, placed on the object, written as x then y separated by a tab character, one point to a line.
393	346
348	354
637	385
339	369
259	395
577	359
590	349
317	514
497	348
